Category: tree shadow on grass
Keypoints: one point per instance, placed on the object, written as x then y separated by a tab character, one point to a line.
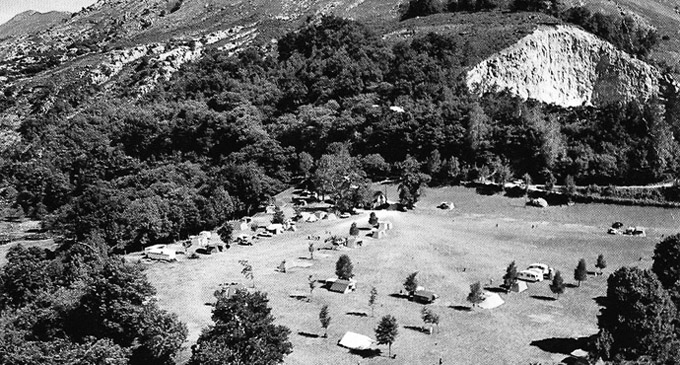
461	308
418	329
357	314
495	289
563	345
308	335
367	354
543	297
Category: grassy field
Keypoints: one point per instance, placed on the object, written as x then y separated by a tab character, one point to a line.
451	250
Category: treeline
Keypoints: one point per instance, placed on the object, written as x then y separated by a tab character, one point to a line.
623	31
229	132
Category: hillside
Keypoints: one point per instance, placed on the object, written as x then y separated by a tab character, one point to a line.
31	22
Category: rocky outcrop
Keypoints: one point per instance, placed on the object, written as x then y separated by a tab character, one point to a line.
565	66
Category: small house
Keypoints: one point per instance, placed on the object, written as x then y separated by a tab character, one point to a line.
424	296
343	286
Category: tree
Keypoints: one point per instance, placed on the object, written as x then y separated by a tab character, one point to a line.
247	271
372	299
510	277
278	217
581	272
325	319
387	332
354	230
638	319
569	186
411	181
373	219
306	162
340	175
311	250
225	232
666	264
312	284
429	317
527	183
476	295
244	333
601	263
557	284
344	268
411	283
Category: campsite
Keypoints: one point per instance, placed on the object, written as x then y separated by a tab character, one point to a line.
450	249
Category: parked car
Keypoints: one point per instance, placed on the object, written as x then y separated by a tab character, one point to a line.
542	268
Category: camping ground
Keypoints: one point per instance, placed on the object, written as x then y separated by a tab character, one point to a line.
450	249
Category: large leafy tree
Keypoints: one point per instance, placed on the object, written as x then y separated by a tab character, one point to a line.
411	182
387	331
243	333
638	319
344	268
340	175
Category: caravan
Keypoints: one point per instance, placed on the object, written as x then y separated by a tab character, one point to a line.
530	275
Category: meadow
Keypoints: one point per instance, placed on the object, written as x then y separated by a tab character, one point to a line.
451	250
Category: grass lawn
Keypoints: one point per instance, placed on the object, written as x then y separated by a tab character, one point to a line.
450	250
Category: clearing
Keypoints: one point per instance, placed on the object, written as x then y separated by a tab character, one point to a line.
451	249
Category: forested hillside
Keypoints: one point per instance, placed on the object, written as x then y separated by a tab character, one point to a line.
227	132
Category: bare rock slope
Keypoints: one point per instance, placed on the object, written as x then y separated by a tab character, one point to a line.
566	66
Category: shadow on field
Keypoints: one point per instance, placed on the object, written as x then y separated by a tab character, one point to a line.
570	285
308	335
495	289
543	297
357	314
367	354
398	296
461	308
364	228
563	345
418	329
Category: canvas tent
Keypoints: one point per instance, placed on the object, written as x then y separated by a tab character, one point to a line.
275	228
519	286
355	341
491	301
343	286
424	296
377	234
539	202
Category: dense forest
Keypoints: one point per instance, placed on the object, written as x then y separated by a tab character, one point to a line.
228	132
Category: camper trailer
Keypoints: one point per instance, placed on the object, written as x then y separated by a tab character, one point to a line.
530	275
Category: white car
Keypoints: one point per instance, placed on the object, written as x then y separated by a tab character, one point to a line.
542	268
530	275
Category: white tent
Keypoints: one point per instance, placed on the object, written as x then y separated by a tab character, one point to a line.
539	202
160	252
491	301
519	286
355	341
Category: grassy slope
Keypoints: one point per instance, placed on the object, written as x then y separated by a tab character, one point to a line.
450	249
659	13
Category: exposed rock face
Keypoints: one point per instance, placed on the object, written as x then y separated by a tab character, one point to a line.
565	66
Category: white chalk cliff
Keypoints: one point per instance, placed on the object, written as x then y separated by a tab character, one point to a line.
566	66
